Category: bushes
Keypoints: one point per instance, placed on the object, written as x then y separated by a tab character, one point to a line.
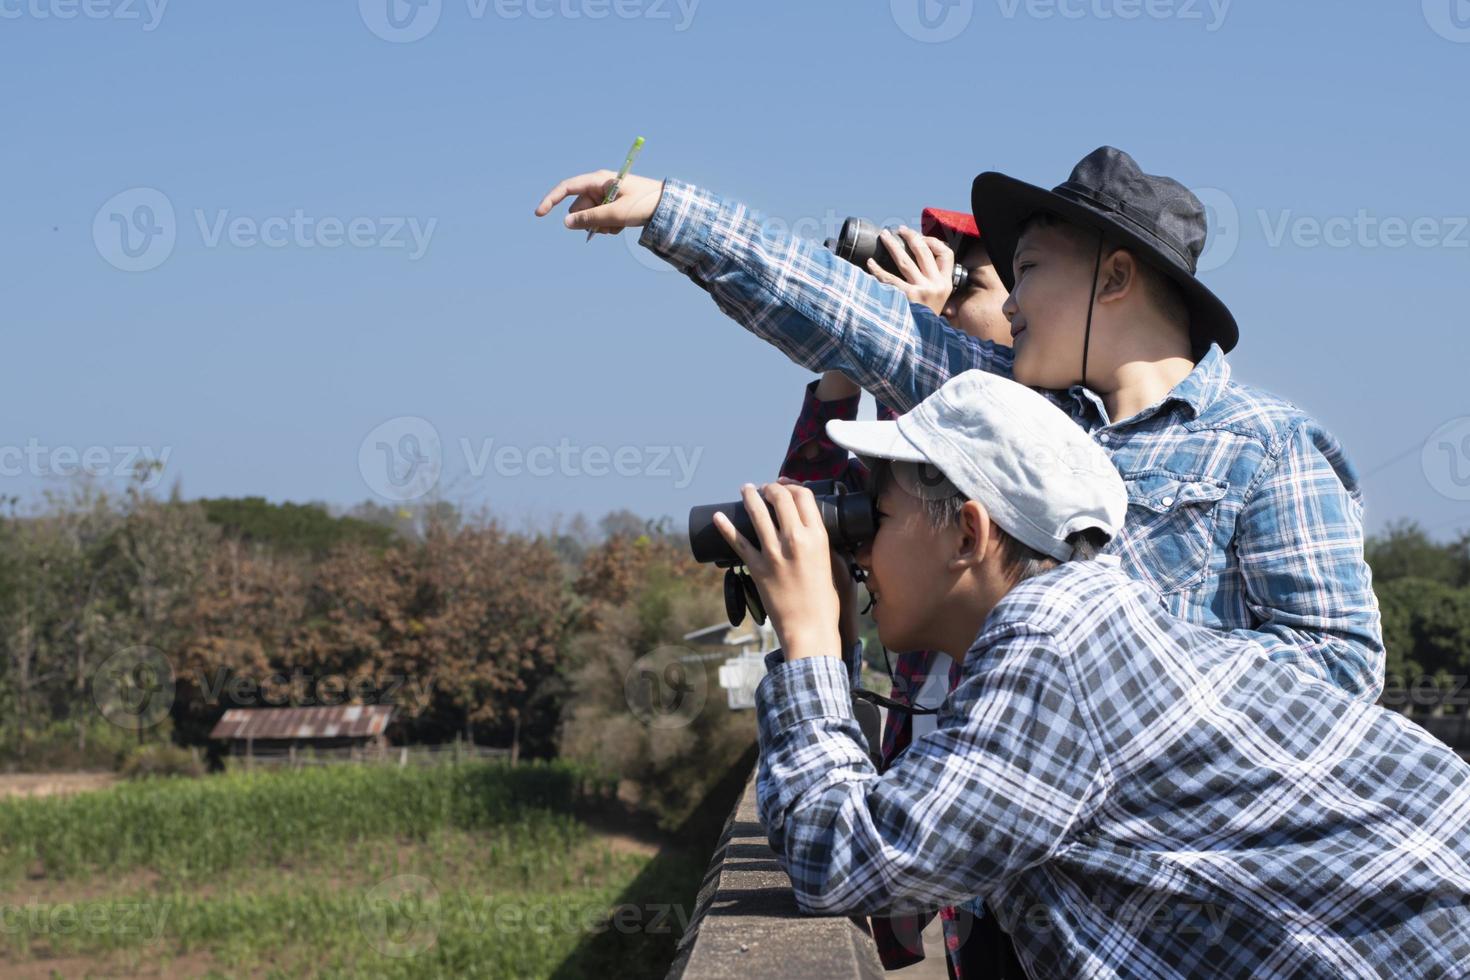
82	744
162	760
642	597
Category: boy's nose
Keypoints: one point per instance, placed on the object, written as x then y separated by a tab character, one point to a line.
1009	307
864	556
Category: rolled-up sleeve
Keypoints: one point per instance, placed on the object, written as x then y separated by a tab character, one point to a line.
826	460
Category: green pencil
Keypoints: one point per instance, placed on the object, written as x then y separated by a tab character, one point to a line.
612	192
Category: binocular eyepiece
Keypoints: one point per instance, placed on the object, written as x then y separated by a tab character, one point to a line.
858	242
849	516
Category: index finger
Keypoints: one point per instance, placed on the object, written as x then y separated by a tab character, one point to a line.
939	247
806	505
581	184
779	497
901	257
923	255
760	519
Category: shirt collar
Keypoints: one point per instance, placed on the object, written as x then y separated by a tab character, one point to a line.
1204	384
1198	390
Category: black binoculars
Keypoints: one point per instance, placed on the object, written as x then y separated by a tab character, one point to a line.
858	242
849	516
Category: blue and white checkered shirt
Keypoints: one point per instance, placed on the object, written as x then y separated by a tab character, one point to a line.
1244	513
1131	795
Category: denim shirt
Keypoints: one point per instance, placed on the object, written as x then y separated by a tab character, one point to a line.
1244	514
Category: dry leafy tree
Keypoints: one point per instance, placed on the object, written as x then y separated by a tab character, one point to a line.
643	708
467	624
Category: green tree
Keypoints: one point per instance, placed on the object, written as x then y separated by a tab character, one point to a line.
1426	630
304	528
1406	551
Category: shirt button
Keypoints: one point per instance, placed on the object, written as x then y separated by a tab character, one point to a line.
1102	437
1167	501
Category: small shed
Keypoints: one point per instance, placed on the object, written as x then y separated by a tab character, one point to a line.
276	730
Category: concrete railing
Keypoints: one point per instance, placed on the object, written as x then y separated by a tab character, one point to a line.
746	924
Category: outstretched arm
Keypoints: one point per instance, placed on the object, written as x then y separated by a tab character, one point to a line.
822	312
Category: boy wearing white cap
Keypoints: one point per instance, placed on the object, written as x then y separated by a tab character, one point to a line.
1129	794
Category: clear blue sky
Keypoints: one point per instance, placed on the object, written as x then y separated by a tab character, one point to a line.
262	369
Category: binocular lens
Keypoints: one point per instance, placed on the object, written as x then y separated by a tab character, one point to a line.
848	516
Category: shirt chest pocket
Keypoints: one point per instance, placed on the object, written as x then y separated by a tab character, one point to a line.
1170	530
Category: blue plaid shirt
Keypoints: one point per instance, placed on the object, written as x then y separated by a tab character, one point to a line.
1243	512
1131	795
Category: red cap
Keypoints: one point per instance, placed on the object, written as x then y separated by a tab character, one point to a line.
938	223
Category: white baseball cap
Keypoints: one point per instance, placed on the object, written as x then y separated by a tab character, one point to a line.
1006	447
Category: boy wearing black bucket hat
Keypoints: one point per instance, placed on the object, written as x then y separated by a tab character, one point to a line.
1244	514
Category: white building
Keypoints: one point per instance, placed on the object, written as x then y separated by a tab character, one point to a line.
740	673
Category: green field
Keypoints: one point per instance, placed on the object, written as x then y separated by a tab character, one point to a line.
467	870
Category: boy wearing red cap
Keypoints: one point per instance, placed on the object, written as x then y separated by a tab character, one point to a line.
921	678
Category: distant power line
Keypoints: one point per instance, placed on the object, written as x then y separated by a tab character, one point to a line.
1411	450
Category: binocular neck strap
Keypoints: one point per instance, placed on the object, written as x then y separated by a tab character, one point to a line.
874	698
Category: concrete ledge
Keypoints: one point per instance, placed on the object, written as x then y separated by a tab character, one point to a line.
746	923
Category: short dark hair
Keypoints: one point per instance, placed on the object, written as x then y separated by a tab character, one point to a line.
942	510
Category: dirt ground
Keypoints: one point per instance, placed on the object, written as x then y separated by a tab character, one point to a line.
53	783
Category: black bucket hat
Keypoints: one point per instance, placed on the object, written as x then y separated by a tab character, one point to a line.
1157	218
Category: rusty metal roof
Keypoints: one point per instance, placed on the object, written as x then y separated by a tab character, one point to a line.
335	721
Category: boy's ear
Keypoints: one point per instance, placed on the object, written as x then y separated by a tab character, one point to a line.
977	536
1118	276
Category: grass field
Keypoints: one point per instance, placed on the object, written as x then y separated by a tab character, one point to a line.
464	870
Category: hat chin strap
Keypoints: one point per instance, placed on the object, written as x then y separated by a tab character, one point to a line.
1091	300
